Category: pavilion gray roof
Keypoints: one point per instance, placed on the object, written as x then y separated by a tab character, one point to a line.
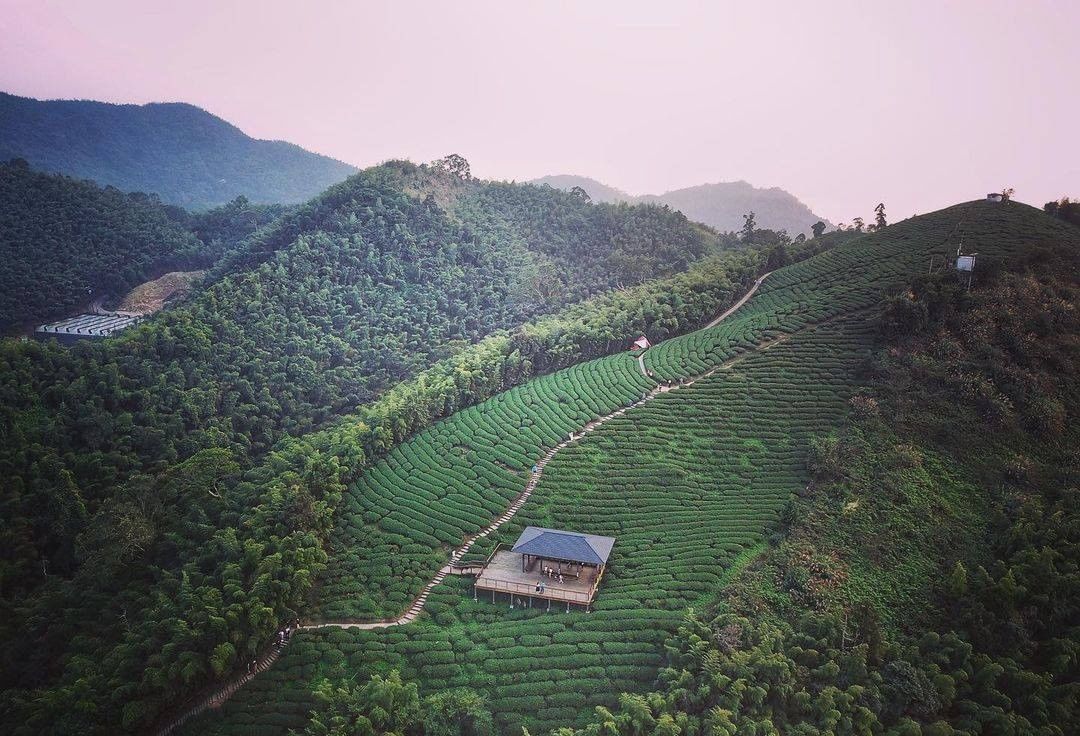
557	544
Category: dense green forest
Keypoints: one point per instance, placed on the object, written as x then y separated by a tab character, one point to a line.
65	242
223	228
131	501
315	315
180	152
868	614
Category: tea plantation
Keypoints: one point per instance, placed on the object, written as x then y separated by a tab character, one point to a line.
851	277
450	481
689	483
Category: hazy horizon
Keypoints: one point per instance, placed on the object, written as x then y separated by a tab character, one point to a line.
842	105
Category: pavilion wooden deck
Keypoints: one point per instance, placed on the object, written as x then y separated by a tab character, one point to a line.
503	574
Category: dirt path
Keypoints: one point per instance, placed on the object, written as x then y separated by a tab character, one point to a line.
728	312
217	696
735	307
418	603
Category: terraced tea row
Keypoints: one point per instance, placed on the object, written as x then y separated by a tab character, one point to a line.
449	481
686	482
534	667
846	279
689	481
395	525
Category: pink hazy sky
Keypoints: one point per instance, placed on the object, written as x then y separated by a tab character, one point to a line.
845	104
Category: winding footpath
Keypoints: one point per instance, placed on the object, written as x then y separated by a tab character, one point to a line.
727	313
735	307
217	696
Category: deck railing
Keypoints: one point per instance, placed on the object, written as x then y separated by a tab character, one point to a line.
527	589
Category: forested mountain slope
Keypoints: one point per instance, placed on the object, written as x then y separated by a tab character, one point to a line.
138	485
721	205
691	485
65	242
182	153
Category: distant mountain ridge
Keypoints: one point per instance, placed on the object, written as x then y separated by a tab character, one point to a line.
180	152
719	205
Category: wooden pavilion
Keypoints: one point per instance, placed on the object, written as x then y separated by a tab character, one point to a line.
547	565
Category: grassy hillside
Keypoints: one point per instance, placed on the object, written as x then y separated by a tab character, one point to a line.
721	205
182	153
148	477
65	243
692	484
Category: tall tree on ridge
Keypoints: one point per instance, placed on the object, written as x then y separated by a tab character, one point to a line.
748	228
456	164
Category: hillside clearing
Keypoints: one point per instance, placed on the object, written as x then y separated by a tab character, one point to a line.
149	297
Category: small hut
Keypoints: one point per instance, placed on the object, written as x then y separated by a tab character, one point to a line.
994	197
562	552
548	565
642	343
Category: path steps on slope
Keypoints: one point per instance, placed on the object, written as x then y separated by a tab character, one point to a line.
735	307
222	693
417	605
218	697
